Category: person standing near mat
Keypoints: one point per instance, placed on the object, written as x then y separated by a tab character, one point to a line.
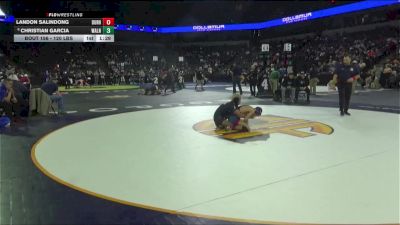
224	111
199	79
169	80
253	80
273	80
313	81
237	72
345	74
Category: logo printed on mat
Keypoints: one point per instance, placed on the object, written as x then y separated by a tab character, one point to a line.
266	125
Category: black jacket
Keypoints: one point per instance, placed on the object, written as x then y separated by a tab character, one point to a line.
287	82
302	82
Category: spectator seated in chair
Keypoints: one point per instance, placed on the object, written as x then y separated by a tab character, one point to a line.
22	94
288	83
302	83
51	88
9	102
181	82
24	79
385	77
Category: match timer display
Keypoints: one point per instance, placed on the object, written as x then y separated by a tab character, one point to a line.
65	27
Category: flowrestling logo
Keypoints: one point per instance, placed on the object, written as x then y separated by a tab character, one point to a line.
209	28
297	18
263	126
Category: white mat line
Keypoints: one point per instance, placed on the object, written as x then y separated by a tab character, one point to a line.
282	180
211	85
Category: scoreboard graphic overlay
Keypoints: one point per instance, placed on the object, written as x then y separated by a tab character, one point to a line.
65	27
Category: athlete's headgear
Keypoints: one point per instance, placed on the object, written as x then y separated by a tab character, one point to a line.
258	111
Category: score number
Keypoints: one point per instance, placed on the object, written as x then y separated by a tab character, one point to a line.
108	22
108	25
108	30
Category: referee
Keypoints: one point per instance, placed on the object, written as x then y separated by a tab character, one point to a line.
345	74
237	72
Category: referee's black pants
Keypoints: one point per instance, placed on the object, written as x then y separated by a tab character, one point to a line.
344	96
253	88
236	81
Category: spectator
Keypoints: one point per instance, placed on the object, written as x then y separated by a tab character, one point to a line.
22	95
288	83
253	80
302	83
199	79
354	84
9	102
51	88
385	78
24	79
181	81
273	79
